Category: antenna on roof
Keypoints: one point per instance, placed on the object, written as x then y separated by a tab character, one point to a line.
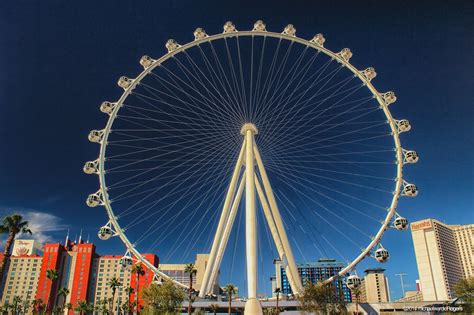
88	236
67	238
80	237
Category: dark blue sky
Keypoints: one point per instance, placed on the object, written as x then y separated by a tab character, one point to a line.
60	59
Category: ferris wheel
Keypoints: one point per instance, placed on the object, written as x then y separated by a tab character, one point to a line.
262	127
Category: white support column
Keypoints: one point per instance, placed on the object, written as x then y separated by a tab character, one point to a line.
250	217
293	276
225	237
252	306
270	221
223	219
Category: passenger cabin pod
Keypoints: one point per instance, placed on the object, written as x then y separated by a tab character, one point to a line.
410	190
403	125
289	30
259	26
91	167
400	223
171	45
229	27
94	200
126	261
389	97
353	282
318	39
411	157
199	33
345	54
382	255
124	82
107	107
96	136
369	73
105	233
146	61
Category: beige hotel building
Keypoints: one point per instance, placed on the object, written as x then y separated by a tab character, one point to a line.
444	255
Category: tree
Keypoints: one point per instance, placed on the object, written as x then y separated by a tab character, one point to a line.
57	310
102	306
26	307
314	298
214	308
16	305
129	290
277	291
52	275
191	271
69	307
162	299
63	293
7	306
36	305
230	290
139	270
12	225
464	290
114	283
322	298
82	307
356	293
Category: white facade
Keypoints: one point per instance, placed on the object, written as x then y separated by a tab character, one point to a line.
444	256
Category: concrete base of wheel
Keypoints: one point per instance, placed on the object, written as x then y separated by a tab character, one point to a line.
253	307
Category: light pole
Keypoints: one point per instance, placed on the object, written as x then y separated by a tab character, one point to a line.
401	275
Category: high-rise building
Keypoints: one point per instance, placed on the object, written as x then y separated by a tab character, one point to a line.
84	273
313	272
108	267
22	277
374	287
444	255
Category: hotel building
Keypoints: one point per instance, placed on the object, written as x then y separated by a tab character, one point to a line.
22	278
374	287
444	255
80	269
312	272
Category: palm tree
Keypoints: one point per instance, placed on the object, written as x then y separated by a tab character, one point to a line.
114	283
12	225
16	304
69	307
35	304
129	290
277	291
52	275
82	307
103	306
214	308
139	270
189	269
356	292
230	289
63	292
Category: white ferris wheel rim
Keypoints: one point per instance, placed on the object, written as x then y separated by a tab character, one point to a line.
391	210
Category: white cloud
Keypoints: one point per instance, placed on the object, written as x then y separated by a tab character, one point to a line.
43	225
